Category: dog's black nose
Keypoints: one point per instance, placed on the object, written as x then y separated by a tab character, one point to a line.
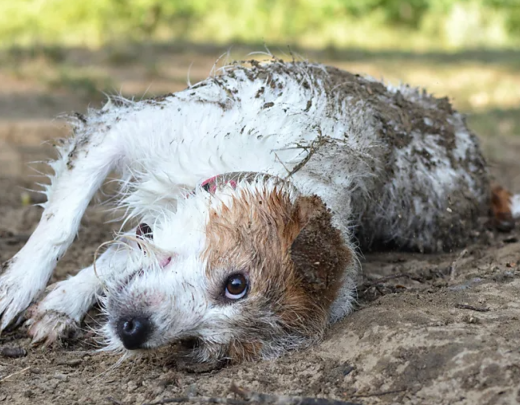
134	331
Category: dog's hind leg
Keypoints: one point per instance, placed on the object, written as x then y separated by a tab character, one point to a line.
86	160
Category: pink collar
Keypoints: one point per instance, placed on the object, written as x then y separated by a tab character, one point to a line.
210	185
232	178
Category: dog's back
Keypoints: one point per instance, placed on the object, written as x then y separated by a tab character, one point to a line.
396	164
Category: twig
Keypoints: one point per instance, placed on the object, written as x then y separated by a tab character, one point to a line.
312	149
15	373
472	308
249	397
285	167
256	398
380	394
453	267
208	400
114	401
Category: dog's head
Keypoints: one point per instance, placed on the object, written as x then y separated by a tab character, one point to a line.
243	268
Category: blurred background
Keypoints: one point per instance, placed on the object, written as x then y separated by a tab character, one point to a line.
58	56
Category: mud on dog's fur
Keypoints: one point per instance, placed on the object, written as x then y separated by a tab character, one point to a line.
250	194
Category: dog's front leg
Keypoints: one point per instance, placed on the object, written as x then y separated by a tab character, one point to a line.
59	315
86	161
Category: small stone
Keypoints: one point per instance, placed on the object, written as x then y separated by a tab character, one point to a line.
70	363
510	239
61	377
28	394
131	386
192	391
158	390
13	352
471	319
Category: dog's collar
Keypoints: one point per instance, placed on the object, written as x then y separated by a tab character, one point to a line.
210	185
233	178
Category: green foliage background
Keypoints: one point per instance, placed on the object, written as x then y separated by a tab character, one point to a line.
396	24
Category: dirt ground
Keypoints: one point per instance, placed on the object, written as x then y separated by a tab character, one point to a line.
428	329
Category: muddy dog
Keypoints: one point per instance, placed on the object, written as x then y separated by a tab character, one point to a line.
250	195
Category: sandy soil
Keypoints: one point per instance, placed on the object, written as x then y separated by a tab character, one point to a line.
429	329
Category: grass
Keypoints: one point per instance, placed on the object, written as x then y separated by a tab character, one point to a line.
376	24
496	122
83	84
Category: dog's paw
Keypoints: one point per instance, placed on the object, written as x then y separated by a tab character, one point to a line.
48	327
18	290
56	317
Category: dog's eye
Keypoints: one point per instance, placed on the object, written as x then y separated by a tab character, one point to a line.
236	287
144	231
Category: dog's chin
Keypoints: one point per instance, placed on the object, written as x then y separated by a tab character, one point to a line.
188	357
184	355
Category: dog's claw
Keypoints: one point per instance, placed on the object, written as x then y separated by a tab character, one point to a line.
50	327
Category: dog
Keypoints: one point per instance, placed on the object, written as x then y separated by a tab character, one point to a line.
248	198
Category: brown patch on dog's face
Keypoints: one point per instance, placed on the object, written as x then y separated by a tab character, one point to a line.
319	253
294	261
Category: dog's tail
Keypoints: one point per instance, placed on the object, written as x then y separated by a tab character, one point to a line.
505	208
515	206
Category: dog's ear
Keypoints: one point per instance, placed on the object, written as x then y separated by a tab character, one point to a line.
319	253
